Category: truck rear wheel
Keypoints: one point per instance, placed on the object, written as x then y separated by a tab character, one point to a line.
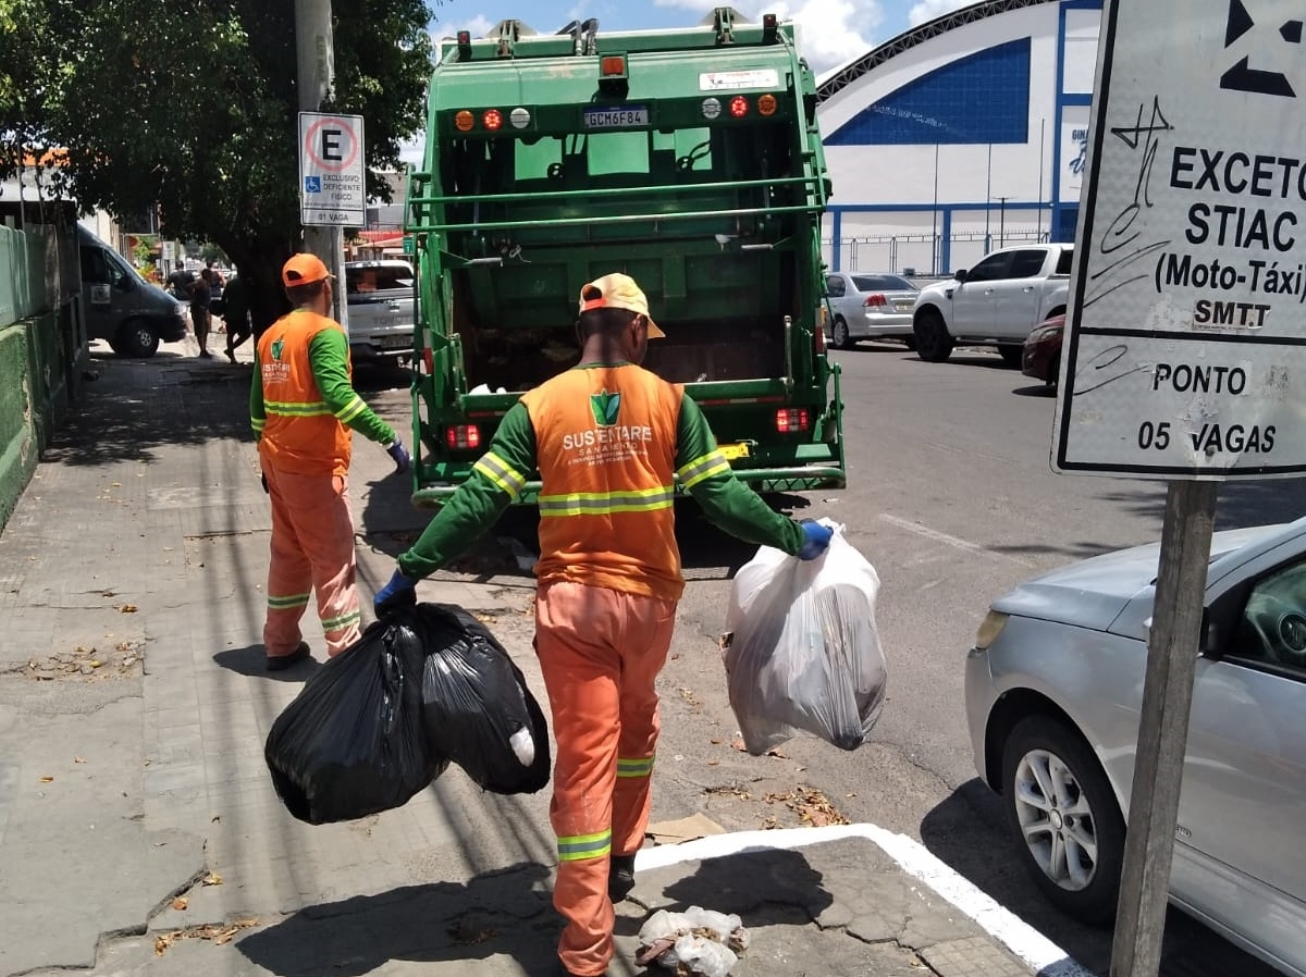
136	339
933	344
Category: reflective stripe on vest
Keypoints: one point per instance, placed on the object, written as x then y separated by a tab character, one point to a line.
291	409
606	503
341	622
501	474
577	847
705	466
281	603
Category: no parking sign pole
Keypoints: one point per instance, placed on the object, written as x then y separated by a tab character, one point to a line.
1185	347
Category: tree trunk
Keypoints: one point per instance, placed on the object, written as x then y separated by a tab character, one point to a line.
259	263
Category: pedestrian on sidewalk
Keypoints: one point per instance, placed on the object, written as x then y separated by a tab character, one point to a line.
608	439
200	295
236	315
302	406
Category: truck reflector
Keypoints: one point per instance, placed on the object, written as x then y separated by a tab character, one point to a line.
520	118
791	420
767	104
613	66
711	108
464	121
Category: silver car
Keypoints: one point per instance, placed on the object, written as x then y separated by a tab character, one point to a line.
869	306
380	298
1053	691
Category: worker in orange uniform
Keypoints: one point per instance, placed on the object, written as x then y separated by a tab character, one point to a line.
608	439
302	405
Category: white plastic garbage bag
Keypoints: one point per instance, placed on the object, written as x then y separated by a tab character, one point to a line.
802	650
698	941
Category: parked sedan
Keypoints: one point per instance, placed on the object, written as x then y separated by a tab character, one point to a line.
1041	357
1053	691
869	306
380	299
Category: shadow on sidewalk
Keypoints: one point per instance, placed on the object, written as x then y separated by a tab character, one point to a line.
136	406
252	661
504	912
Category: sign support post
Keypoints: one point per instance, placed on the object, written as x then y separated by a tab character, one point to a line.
315	57
1172	649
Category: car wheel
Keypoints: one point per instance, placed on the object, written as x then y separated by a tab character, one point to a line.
933	344
136	339
1011	355
839	335
1065	817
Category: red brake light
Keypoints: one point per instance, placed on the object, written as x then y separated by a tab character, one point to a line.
739	106
614	65
492	119
464	38
791	420
875	301
463	437
428	361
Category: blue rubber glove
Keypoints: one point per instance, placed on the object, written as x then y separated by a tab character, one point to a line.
402	459
817	539
401	591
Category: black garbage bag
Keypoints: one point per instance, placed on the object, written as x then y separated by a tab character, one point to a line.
476	706
352	743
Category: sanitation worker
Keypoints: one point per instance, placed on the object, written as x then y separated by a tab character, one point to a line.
607	438
302	405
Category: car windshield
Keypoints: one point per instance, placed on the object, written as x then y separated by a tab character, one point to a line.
381	278
882	283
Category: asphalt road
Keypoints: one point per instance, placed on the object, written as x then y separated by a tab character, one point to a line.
952	499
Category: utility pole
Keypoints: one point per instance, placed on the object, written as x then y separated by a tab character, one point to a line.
1002	221
315	50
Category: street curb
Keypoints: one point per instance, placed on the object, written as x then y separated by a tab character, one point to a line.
1043	956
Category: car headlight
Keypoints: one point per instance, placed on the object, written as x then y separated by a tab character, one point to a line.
990	629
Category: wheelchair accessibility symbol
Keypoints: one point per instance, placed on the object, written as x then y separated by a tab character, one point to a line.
312	184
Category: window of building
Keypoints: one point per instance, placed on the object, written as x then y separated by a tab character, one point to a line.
980	99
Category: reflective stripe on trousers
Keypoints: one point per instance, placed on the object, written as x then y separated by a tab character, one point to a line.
600	652
312	551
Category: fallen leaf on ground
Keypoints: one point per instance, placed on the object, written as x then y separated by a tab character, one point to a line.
213	878
126	608
79	759
716	742
180	903
775	751
218	933
738	744
47	780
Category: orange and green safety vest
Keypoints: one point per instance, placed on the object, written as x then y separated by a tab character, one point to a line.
609	443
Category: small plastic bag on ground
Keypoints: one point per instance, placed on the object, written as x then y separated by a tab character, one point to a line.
352	742
803	652
697	941
476	706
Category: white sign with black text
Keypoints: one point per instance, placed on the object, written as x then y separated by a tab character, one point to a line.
1185	349
332	172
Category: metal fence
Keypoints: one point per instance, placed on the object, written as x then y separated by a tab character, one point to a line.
920	254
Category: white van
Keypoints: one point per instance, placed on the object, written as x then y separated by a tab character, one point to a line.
122	307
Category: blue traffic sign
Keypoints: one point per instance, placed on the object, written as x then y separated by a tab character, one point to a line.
312	184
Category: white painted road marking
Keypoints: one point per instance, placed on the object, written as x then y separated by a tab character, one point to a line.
1042	955
956	542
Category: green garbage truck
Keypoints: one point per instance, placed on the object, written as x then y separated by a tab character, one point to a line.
689	159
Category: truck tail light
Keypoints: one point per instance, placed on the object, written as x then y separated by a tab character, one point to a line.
875	301
739	106
767	104
464	121
613	66
428	361
492	119
463	437
790	420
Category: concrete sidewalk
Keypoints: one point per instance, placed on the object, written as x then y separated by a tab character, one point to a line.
139	832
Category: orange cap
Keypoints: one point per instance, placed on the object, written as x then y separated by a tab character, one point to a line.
618	291
303	269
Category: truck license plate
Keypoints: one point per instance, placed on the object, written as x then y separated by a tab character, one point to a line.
392	342
621	117
733	451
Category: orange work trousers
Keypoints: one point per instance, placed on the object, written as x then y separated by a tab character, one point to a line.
600	652
312	551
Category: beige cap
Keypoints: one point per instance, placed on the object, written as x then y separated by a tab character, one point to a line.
618	291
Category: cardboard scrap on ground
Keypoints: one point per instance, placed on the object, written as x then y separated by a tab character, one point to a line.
686	829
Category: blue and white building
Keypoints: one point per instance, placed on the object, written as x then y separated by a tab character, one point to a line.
959	136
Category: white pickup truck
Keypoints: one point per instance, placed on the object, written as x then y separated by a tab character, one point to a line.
996	303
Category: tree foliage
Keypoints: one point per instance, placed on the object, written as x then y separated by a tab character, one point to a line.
191	106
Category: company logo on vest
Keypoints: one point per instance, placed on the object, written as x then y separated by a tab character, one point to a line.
606	408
